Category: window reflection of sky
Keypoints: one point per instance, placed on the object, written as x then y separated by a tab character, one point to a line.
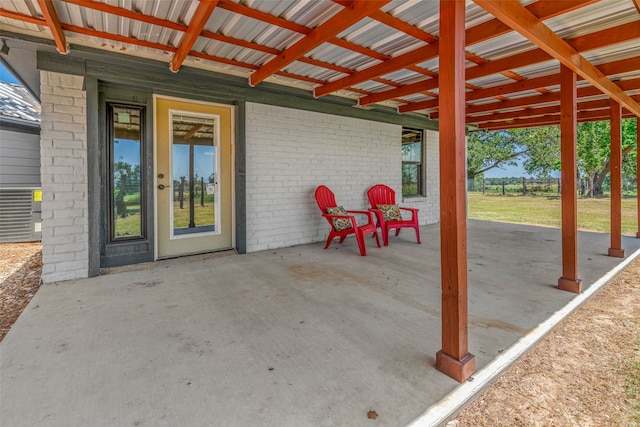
203	161
127	151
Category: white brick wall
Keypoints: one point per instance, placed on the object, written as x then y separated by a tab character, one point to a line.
290	152
63	150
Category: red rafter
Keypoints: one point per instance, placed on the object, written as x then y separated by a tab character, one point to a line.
204	33
431	51
22	17
158	46
542	111
584	43
199	20
397	24
53	22
550	120
615	67
342	20
245	11
125	13
630	84
516	16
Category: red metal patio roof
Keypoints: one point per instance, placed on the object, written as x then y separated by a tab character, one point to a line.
376	52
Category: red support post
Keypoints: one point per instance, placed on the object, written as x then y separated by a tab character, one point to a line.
616	180
454	358
568	152
638	171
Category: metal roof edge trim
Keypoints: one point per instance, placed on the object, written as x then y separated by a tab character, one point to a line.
17	125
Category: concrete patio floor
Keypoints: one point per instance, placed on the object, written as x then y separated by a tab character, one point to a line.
299	336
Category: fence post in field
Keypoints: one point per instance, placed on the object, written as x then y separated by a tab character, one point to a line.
482	184
559	186
202	192
524	186
503	186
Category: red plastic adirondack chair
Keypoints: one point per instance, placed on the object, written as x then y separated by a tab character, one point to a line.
344	224
381	194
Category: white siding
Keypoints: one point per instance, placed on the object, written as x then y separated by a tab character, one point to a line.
290	152
19	160
63	142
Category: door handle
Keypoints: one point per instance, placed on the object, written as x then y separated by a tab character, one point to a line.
161	186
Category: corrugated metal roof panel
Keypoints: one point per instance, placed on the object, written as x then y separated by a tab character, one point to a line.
538	70
404	76
418	97
502	46
431	64
373	87
17	103
413	11
383	38
616	52
594	17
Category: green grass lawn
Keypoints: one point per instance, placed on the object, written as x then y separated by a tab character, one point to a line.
593	214
202	215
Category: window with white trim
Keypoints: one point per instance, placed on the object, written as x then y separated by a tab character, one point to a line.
412	162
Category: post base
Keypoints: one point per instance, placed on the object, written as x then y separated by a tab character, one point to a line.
619	253
638	235
570	285
459	370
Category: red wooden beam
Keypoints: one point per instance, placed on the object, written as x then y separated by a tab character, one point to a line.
454	359
126	13
568	158
292	26
512	13
541	9
394	64
638	167
396	23
637	4
22	17
615	67
118	38
550	120
431	51
630	84
584	43
616	181
599	104
198	21
53	22
328	30
144	43
262	16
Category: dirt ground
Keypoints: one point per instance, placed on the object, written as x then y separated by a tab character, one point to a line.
586	372
20	270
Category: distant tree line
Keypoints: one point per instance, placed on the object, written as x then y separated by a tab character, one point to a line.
538	152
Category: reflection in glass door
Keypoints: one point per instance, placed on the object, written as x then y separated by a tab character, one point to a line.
194	167
126	180
194	170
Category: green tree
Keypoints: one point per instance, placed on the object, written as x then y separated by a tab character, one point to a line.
543	150
594	152
491	149
539	148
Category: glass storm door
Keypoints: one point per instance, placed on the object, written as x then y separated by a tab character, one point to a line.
193	177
